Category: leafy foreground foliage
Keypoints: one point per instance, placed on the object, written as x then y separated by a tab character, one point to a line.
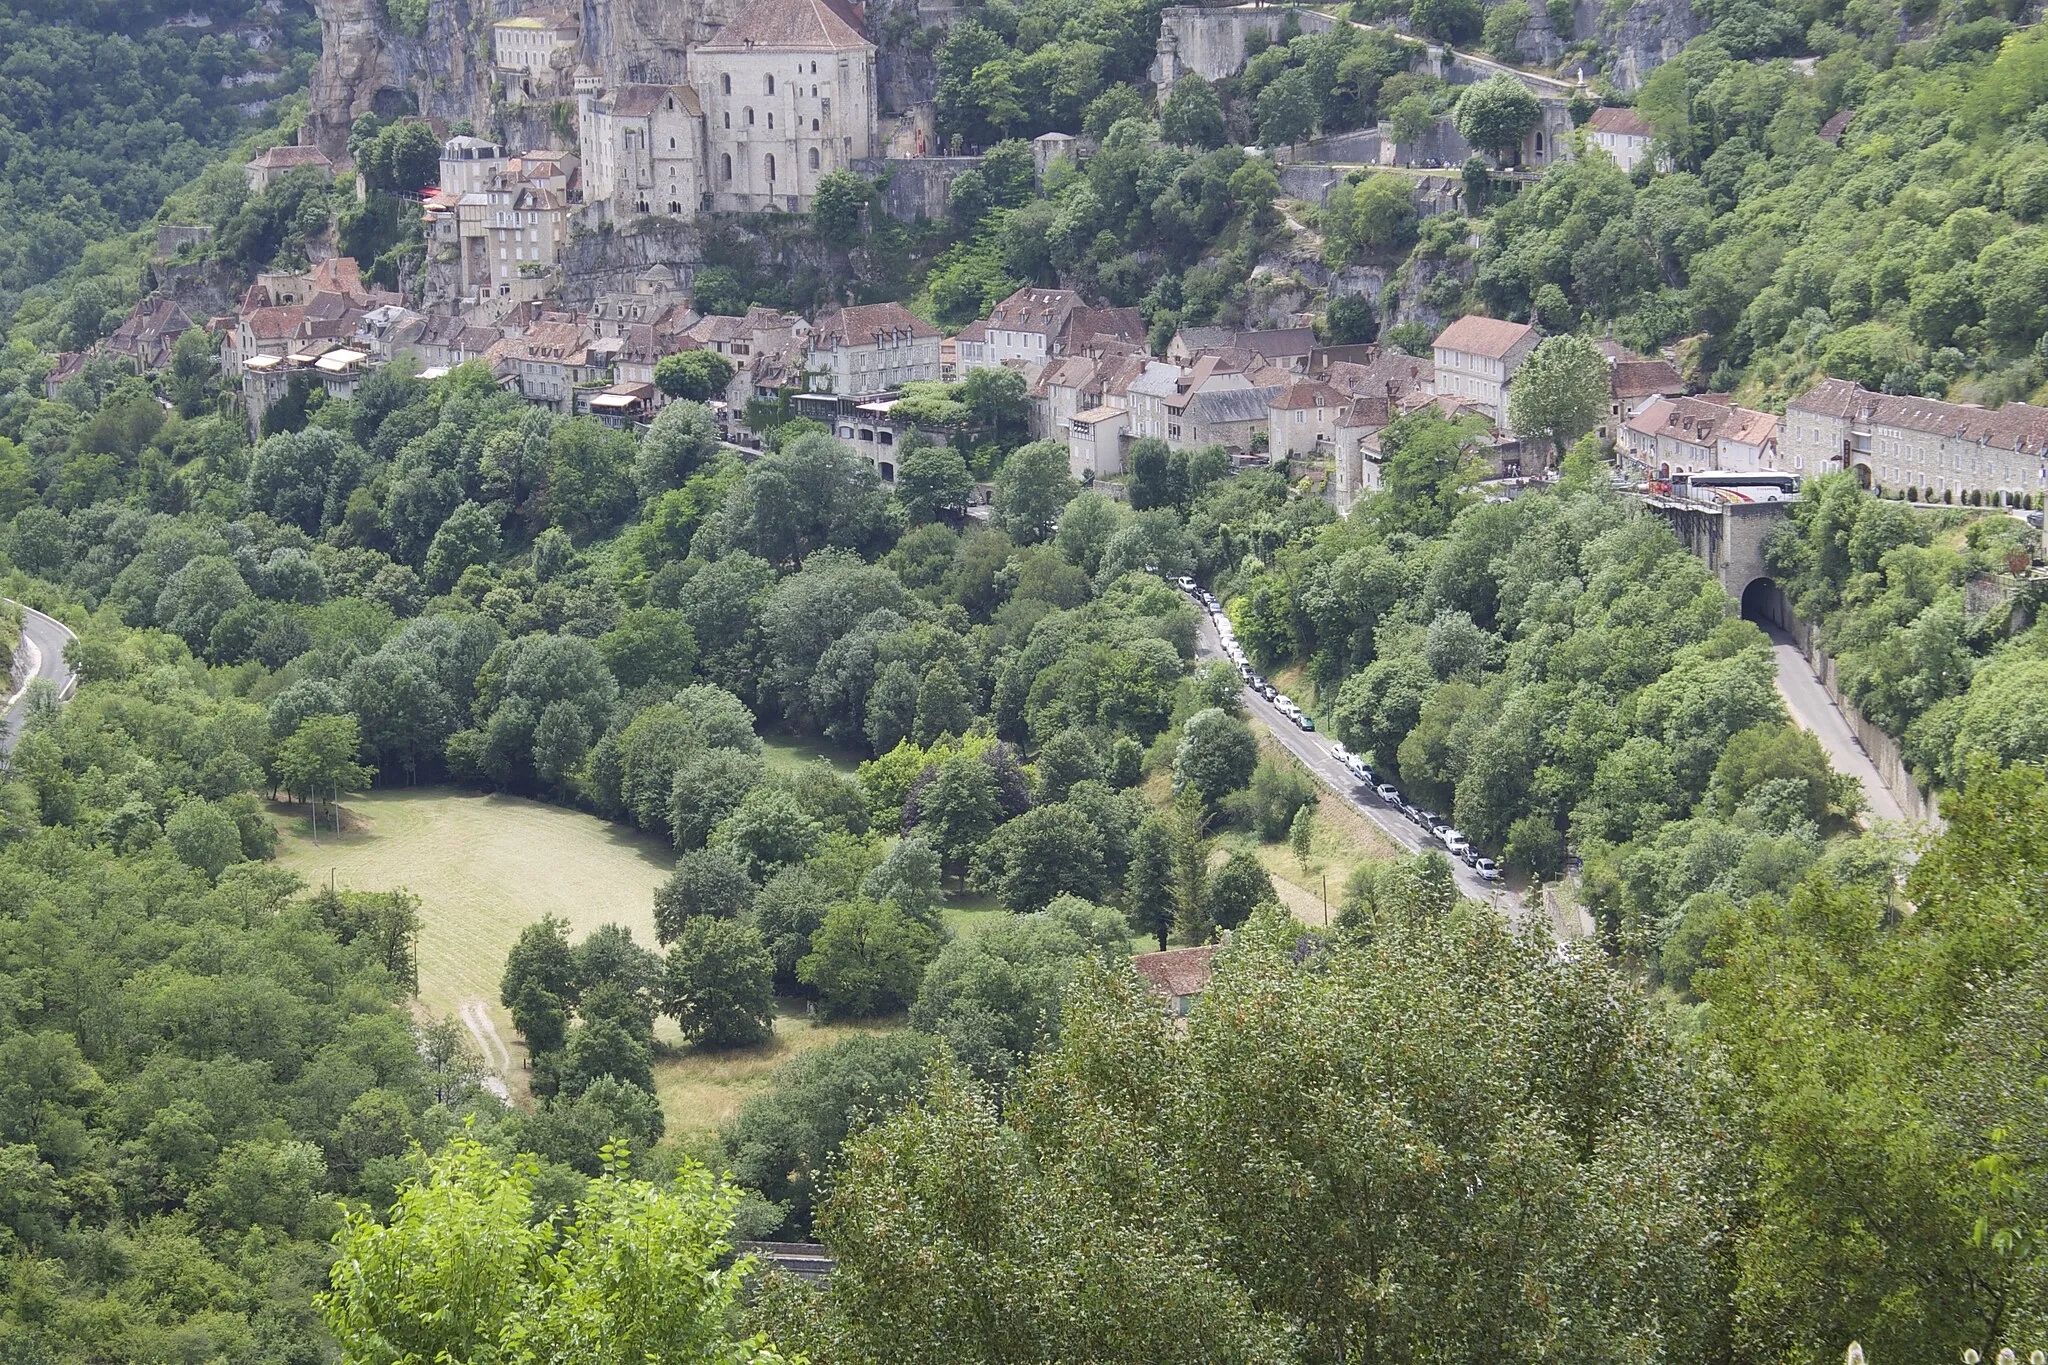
1432	1137
1422	1134
467	1269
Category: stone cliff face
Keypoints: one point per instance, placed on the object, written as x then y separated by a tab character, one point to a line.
367	66
1637	38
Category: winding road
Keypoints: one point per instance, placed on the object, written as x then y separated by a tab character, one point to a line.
1313	752
42	650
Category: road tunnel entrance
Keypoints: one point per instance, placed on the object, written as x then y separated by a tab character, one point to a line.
1763	602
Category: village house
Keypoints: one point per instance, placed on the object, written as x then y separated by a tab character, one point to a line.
146	335
1037	325
1622	134
1143	395
275	163
1178	976
1630	381
550	359
1301	420
1476	360
1096	440
1288	348
529	50
1709	432
470	165
1943	452
787	89
1355	454
870	348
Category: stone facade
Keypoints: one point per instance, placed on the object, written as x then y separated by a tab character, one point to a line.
1946	450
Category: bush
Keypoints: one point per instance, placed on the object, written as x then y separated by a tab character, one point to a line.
1279	789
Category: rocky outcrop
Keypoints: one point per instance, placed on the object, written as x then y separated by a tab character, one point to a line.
1637	38
368	66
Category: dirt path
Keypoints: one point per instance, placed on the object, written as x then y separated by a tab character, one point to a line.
476	1017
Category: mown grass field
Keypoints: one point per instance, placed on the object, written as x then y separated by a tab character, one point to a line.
484	867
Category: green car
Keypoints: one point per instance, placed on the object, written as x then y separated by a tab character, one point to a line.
1308	722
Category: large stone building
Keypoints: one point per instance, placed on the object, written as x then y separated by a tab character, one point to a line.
1942	451
788	93
644	151
1476	358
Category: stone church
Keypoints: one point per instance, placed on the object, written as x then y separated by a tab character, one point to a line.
780	97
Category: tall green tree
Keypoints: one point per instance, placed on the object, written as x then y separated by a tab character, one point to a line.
1561	390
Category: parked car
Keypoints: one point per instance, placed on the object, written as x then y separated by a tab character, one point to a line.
1268	691
1305	721
1184	583
1366	775
1456	843
1389	793
1341	754
1415	813
1487	868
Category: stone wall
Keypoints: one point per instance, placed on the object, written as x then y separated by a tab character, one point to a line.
917	186
1919	803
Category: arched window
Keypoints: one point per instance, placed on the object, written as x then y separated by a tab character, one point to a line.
728	118
671	144
814	125
750	116
771	118
814	68
675	209
771	170
671	109
725	165
771	84
725	84
814	158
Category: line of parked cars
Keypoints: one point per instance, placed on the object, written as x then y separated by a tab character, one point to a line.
1439	829
1235	653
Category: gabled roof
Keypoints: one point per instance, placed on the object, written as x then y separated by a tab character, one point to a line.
803	25
973	331
1620	122
1837	124
1642	378
867	324
1308	394
1178	971
1702	422
1390	371
1489	337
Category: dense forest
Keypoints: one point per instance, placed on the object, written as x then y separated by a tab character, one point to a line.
1783	1100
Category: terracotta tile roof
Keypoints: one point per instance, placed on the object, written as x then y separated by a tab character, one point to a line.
275	324
1489	337
1620	122
1307	394
973	331
801	24
1177	971
1837	124
1368	413
867	324
1085	325
1643	378
1701	422
1275	342
1391	370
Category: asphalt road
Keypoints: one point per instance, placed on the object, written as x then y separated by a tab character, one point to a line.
1814	710
43	640
1314	752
